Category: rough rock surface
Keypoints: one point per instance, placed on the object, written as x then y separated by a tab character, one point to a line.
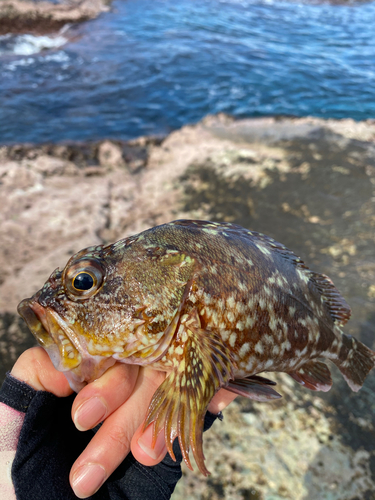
30	16
306	182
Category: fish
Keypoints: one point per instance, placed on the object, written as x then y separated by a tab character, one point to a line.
214	305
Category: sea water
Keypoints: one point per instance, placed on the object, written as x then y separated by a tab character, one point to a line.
151	66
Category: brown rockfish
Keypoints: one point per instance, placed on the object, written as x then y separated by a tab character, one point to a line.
212	304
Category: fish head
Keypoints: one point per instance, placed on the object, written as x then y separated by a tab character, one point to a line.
119	302
66	315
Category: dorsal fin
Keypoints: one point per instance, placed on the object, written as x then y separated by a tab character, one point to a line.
338	307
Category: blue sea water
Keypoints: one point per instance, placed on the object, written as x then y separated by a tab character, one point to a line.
151	66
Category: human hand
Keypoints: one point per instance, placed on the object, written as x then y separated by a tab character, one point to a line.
119	399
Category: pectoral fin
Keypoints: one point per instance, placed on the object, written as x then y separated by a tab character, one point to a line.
314	375
202	366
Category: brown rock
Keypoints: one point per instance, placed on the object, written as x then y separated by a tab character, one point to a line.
27	16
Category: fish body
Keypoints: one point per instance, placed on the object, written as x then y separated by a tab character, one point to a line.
213	304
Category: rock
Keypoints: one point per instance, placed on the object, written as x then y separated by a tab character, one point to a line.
110	155
16	176
14	338
27	16
50	166
307	182
285	449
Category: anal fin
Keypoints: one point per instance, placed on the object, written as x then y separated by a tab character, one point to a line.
255	387
314	375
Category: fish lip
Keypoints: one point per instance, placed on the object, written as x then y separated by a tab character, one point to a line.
40	313
51	332
35	317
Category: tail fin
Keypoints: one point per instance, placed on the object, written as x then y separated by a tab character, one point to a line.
355	367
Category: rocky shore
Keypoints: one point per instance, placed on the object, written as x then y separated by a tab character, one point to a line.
308	183
43	17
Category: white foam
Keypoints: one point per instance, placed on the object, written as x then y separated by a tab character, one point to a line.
60	56
27	45
20	62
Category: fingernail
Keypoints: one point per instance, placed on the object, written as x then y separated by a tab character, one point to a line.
88	479
145	442
89	414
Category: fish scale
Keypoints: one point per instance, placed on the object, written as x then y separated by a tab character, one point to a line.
212	304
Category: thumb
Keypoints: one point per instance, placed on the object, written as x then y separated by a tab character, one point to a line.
35	368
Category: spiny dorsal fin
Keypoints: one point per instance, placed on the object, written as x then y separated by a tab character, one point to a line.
338	308
202	365
314	375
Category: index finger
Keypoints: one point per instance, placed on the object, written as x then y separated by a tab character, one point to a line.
98	399
111	444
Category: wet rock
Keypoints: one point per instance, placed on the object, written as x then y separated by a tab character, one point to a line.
14	339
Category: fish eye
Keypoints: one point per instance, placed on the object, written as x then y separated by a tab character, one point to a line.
83	281
83	278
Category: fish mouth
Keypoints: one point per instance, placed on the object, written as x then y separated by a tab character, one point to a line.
50	332
67	353
34	322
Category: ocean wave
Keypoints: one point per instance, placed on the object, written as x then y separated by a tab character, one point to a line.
57	57
27	45
20	62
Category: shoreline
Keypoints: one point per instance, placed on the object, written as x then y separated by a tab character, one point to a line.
268	128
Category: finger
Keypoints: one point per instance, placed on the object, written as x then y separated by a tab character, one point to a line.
143	449
221	400
35	368
111	443
102	397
